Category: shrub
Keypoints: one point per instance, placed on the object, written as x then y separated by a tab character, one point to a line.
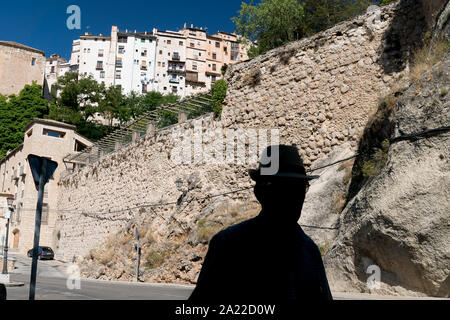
427	56
218	93
155	258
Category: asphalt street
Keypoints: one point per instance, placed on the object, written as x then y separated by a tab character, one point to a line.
51	284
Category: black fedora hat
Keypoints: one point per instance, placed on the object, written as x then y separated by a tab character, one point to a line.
290	165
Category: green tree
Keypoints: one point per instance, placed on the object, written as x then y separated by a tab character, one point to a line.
271	23
16	112
323	14
78	99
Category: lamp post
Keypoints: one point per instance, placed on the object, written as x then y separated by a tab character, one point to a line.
5	249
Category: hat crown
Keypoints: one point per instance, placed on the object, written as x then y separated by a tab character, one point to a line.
288	157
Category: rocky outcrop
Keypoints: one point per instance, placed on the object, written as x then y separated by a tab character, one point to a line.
400	219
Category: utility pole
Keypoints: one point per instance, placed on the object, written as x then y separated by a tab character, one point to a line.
138	254
5	248
42	169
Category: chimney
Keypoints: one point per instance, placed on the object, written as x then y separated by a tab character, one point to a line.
192	26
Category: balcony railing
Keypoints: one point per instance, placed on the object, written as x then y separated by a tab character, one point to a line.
174	80
175	70
176	57
118	64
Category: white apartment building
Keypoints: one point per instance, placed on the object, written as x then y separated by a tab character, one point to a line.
134	61
124	58
90	57
170	62
55	67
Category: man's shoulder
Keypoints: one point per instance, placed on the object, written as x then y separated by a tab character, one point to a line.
238	230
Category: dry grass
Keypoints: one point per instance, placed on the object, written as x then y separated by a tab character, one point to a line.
103	256
155	258
426	57
222	219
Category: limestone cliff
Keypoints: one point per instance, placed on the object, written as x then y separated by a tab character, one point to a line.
400	218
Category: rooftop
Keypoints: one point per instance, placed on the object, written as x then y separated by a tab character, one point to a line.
20	46
50	123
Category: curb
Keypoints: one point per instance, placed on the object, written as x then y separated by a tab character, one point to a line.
12	284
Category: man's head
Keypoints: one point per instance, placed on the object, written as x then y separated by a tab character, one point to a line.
282	192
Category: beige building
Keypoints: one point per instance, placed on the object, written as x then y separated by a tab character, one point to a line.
222	49
46	138
19	65
195	59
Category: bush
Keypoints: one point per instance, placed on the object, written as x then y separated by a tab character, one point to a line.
155	258
218	93
427	56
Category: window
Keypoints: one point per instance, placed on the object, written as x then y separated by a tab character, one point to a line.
118	74
144	53
213	79
214	56
102	74
79	146
33	61
121	49
180	43
143	40
123	39
99	65
53	133
194	66
144	65
29	133
160	51
44	217
119	62
214	67
52	69
163	64
144	88
217	44
169	41
100	53
192	44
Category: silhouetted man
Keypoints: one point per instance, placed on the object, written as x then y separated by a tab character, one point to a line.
269	257
2	291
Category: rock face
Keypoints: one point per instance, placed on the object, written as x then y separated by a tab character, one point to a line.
400	219
326	196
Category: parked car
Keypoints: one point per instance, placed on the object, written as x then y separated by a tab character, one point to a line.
44	253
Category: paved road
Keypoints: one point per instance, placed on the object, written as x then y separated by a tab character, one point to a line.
52	285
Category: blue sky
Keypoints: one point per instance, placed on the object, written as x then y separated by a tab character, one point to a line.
42	24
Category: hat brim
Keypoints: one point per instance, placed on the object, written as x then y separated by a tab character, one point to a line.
255	174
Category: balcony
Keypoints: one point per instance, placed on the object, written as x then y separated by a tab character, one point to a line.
174	80
176	57
118	64
176	70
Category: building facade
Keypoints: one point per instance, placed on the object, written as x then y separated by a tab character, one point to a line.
19	65
170	62
181	62
47	138
55	67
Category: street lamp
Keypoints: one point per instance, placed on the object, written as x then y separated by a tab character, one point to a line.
5	249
